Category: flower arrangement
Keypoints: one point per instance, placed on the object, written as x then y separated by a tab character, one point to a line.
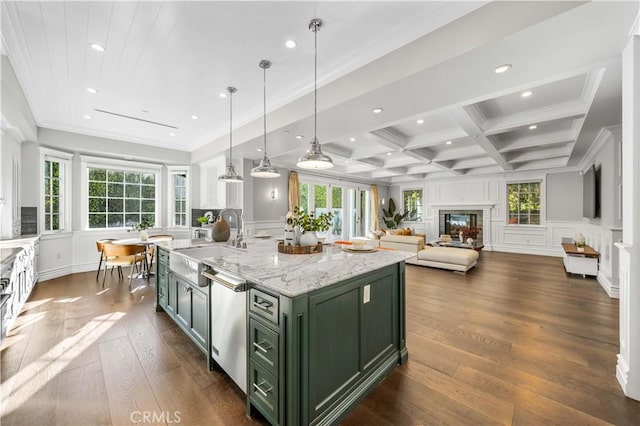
470	231
142	226
202	220
308	221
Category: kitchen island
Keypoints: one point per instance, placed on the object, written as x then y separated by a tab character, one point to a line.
322	330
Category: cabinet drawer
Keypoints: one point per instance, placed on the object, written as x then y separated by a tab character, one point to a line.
263	391
264	304
163	256
263	346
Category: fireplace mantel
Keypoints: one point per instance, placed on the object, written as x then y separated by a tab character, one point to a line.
462	205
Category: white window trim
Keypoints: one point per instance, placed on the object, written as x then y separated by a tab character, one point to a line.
413	188
63	158
110	163
172	170
543	214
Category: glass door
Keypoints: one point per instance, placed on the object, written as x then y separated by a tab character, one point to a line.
360	212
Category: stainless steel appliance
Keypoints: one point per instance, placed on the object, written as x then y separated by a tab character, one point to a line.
229	324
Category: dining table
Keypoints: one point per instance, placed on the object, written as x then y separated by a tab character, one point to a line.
146	243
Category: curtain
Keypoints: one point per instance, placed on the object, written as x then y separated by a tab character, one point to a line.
294	191
374	208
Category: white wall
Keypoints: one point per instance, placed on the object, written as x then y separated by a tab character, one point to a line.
16	113
559	205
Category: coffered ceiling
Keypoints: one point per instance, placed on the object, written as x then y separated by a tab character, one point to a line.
428	65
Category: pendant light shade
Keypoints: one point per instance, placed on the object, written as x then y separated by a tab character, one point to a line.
265	169
231	176
314	158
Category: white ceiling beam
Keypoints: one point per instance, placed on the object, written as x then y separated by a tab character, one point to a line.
473	163
552	138
391	137
544	164
540	154
562	111
466	122
372	161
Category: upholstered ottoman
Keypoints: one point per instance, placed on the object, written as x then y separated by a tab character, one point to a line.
412	244
454	259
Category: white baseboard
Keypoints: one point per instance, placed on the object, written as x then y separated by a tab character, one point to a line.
630	389
54	273
539	251
607	285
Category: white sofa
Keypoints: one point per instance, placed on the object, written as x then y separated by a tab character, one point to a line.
409	243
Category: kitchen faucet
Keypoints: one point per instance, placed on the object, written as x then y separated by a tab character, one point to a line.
238	238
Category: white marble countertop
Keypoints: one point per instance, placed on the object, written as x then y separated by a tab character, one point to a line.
288	274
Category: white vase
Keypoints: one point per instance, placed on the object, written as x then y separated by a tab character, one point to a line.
144	235
470	241
461	237
309	238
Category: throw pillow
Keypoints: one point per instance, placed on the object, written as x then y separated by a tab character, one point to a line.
395	231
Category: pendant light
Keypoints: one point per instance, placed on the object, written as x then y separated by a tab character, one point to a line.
265	169
314	158
231	176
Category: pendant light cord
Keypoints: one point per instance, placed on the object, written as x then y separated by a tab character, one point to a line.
315	83
264	107
230	128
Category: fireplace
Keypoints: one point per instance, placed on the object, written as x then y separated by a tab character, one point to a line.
453	222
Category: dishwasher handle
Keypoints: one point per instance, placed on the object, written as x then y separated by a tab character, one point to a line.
233	283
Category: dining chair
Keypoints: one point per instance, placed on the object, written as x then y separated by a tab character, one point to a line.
151	250
122	255
99	245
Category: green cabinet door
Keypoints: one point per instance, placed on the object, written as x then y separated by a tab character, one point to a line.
183	303
162	285
199	318
172	295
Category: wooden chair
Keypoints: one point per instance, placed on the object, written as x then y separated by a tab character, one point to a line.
99	245
151	250
124	255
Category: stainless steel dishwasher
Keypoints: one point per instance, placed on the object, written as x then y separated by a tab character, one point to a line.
229	324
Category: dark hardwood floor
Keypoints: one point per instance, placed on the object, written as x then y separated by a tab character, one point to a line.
514	341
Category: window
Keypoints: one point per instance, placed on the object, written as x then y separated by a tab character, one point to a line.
412	203
120	198
55	190
524	203
178	196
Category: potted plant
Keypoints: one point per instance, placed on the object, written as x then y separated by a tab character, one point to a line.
142	227
391	218
310	224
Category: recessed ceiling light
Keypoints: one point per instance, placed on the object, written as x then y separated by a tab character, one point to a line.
222	95
291	44
502	68
526	94
92	90
259	149
346	161
533	127
388	153
420	121
299	136
172	134
87	117
352	139
97	47
449	142
377	110
195	117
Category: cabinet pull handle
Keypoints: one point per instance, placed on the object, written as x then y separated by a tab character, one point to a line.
264	349
259	389
264	305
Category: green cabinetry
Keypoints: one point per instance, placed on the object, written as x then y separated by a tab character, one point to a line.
162	278
185	302
312	358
